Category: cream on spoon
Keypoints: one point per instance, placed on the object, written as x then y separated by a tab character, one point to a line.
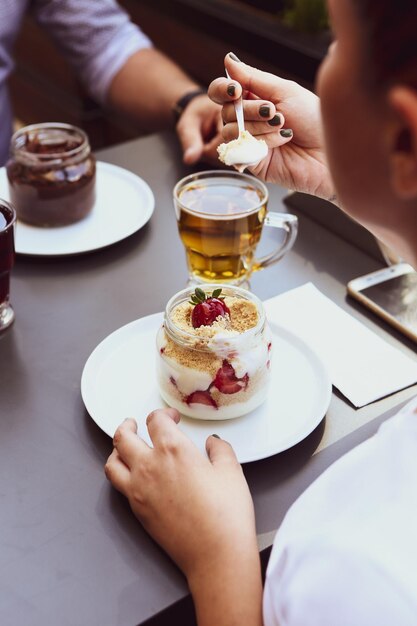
246	150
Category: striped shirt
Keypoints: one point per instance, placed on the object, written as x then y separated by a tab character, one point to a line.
96	37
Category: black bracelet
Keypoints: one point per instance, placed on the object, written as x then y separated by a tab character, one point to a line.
185	100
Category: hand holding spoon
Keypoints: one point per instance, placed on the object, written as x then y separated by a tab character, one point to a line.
244	151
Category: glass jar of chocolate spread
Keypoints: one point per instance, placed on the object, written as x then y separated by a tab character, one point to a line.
51	174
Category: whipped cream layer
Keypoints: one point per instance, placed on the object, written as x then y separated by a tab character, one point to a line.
202	412
243	151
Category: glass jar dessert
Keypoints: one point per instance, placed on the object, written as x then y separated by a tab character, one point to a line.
214	352
51	174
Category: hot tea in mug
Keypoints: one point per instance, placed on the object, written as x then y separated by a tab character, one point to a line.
220	218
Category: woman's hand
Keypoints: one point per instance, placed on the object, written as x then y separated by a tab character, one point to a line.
195	507
199	510
287	117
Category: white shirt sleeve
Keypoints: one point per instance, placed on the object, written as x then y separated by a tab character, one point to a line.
96	37
326	586
346	552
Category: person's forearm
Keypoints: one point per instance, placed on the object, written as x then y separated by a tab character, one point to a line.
148	86
228	591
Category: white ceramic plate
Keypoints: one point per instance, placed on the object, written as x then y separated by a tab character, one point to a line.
118	381
123	205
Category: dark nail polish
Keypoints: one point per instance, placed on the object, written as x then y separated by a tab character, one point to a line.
276	120
231	90
234	57
264	111
286	132
217	436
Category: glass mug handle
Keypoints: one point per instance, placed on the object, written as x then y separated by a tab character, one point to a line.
288	223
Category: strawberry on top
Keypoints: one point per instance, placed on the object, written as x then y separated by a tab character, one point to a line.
207	308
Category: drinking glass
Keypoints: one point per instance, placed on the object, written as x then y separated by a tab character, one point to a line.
220	216
7	253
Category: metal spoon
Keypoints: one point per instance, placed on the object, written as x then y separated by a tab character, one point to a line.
239	111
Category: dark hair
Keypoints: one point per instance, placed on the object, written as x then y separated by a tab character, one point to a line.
390	28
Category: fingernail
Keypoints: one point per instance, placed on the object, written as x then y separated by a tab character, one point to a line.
264	111
231	90
286	132
234	57
217	436
276	120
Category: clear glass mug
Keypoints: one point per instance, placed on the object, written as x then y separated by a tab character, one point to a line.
220	216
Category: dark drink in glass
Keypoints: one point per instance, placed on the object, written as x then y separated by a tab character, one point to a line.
7	253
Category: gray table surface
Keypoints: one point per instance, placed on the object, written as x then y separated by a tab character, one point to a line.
71	551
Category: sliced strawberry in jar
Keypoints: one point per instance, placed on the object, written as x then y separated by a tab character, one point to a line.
201	397
226	380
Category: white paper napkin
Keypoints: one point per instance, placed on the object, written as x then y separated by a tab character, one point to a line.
361	365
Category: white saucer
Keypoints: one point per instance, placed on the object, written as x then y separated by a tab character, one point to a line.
119	381
124	204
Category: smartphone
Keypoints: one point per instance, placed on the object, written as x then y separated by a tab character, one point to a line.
391	293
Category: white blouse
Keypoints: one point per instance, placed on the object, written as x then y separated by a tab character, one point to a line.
346	553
